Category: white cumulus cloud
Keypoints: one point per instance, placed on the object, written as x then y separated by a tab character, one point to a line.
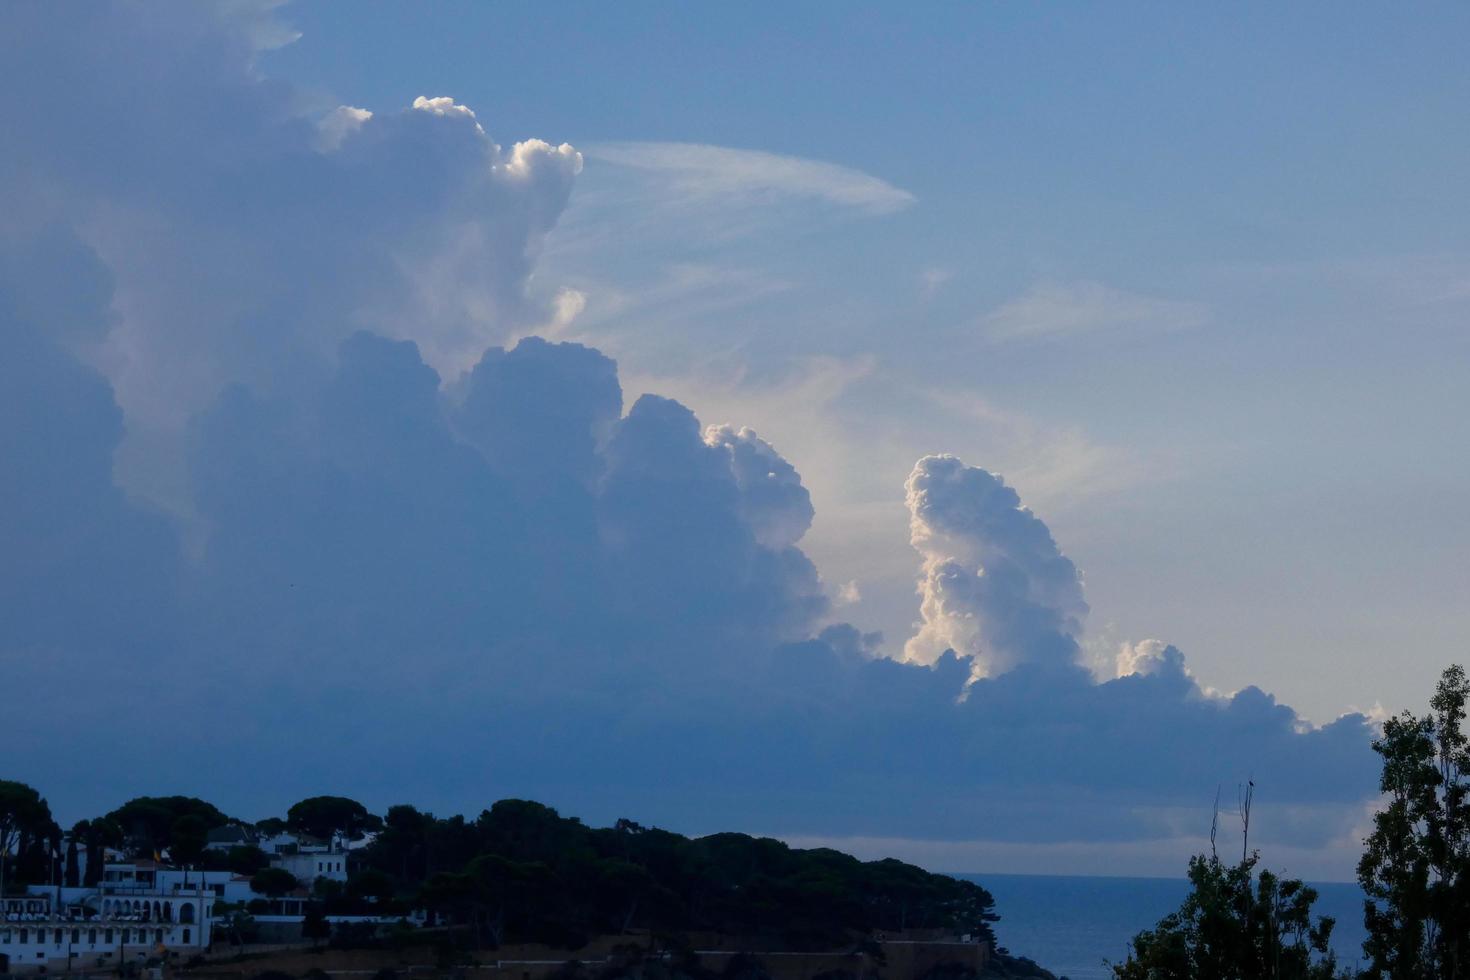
993	586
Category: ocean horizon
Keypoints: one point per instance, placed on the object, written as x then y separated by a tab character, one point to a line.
1074	924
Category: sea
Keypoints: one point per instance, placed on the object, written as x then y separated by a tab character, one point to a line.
1073	924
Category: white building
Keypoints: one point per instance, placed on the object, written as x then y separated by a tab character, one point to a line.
142	909
126	918
307	858
226	886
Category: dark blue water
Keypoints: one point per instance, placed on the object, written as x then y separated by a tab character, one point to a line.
1070	925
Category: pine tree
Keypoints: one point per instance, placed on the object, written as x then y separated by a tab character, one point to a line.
1416	863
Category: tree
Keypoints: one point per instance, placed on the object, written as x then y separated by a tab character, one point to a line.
73	854
1415	867
238	924
54	853
147	822
273	882
24	819
314	924
328	889
370	883
620	886
271	826
245	859
187	839
1235	924
402	848
457	896
332	816
97	835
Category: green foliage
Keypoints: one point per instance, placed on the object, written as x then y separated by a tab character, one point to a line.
274	882
237	924
26	828
328	889
187	839
73	855
521	871
245	859
97	834
370	883
314	924
326	817
148	822
242	859
1416	864
1236	924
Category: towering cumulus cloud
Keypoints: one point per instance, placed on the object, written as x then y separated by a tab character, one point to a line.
994	585
277	487
244	229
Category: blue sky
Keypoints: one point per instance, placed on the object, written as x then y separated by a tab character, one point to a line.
341	411
1243	231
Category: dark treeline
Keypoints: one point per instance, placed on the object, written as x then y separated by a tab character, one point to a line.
522	872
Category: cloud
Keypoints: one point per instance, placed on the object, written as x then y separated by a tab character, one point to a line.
932	280
1148	657
1057	465
654	234
994	586
697	171
772	499
1057	311
437	559
243	229
540	411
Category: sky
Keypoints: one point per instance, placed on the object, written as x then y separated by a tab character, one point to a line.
1039	400
1196	280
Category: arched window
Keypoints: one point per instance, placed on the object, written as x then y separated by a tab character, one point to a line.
92	937
186	912
168	911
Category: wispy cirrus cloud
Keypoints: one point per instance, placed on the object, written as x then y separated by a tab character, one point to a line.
699	170
1054	310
